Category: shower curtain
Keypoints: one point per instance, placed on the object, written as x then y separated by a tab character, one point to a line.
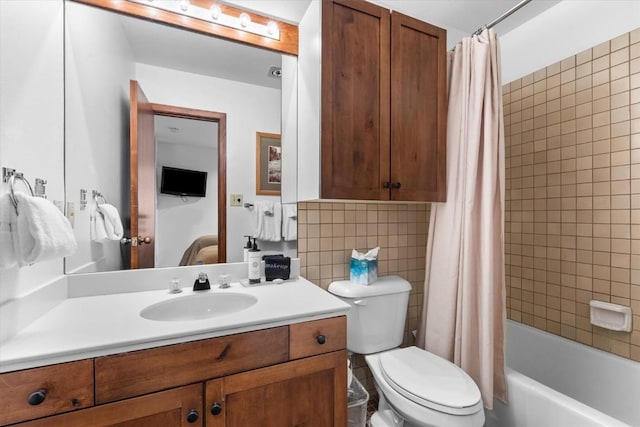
463	313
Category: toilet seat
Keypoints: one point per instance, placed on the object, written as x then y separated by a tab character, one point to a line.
429	380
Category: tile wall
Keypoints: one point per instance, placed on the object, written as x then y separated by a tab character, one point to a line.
328	231
573	193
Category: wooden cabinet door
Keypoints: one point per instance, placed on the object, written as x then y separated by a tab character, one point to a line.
418	110
355	100
171	408
309	392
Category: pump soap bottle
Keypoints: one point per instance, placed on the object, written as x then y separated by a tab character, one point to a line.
255	261
247	248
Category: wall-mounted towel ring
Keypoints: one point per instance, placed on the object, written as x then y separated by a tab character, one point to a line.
97	195
12	181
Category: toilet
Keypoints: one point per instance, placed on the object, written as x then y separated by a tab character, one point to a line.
415	387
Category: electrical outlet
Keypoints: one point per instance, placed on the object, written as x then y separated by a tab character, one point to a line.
236	200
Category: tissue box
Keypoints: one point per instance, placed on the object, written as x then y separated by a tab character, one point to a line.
363	271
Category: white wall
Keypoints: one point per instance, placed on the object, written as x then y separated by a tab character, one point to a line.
309	99
249	109
563	30
99	64
31	115
178	221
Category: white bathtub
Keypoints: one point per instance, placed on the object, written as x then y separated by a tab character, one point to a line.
555	382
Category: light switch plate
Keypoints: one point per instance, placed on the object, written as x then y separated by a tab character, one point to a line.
71	213
236	199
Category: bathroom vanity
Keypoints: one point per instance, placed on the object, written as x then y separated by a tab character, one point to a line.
266	365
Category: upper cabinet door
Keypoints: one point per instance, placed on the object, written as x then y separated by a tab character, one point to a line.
355	100
418	110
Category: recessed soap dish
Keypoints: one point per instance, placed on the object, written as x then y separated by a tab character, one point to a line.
610	316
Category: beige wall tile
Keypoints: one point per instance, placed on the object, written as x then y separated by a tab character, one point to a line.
583	132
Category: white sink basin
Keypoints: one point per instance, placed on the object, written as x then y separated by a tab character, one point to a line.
198	306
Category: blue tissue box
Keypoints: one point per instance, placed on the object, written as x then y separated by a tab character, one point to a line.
363	272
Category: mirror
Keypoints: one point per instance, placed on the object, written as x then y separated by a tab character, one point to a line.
203	93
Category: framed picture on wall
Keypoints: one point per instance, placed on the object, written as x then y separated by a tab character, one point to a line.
268	164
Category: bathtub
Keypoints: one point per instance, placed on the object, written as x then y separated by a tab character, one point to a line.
555	382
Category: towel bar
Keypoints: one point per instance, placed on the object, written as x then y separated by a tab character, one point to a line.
12	181
97	195
10	175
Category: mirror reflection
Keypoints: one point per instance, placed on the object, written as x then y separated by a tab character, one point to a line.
199	103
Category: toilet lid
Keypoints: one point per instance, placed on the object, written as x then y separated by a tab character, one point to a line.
430	380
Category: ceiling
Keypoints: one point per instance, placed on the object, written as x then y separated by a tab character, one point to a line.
176	130
169	47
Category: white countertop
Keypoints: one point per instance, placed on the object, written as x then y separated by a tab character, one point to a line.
98	325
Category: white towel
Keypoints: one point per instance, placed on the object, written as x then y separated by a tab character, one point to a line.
98	231
7	221
267	220
111	220
42	231
290	222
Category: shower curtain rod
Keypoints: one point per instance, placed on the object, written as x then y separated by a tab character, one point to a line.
502	17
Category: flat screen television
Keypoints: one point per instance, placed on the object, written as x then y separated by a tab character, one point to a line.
183	182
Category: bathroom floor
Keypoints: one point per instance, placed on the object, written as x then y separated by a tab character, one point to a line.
372	406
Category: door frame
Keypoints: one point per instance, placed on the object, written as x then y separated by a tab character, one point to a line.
221	120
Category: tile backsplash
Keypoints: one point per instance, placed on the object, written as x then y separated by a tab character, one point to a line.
573	193
328	231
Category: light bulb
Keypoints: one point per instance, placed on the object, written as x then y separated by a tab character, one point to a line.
272	28
244	19
184	5
216	12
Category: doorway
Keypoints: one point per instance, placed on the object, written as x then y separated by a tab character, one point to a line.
143	174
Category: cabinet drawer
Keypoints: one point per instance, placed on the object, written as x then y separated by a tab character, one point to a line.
139	372
317	337
169	408
52	390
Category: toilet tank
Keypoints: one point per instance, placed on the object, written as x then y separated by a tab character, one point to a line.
376	318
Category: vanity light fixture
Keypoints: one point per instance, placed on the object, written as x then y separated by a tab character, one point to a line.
245	19
214	14
272	28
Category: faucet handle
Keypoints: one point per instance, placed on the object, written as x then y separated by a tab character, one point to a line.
201	283
224	281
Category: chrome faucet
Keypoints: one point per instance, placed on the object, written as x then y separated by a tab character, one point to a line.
202	283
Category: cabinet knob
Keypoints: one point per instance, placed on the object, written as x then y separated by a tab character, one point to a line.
321	339
395	185
386	184
192	416
216	408
37	397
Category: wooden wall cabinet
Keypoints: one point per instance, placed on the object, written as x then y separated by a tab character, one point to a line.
383	104
285	376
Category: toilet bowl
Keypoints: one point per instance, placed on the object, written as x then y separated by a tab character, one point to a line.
420	389
416	388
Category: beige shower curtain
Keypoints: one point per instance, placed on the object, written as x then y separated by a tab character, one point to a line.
464	310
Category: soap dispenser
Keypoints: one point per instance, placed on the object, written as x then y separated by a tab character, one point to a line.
247	248
255	261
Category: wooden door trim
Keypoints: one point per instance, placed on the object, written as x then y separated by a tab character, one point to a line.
221	119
